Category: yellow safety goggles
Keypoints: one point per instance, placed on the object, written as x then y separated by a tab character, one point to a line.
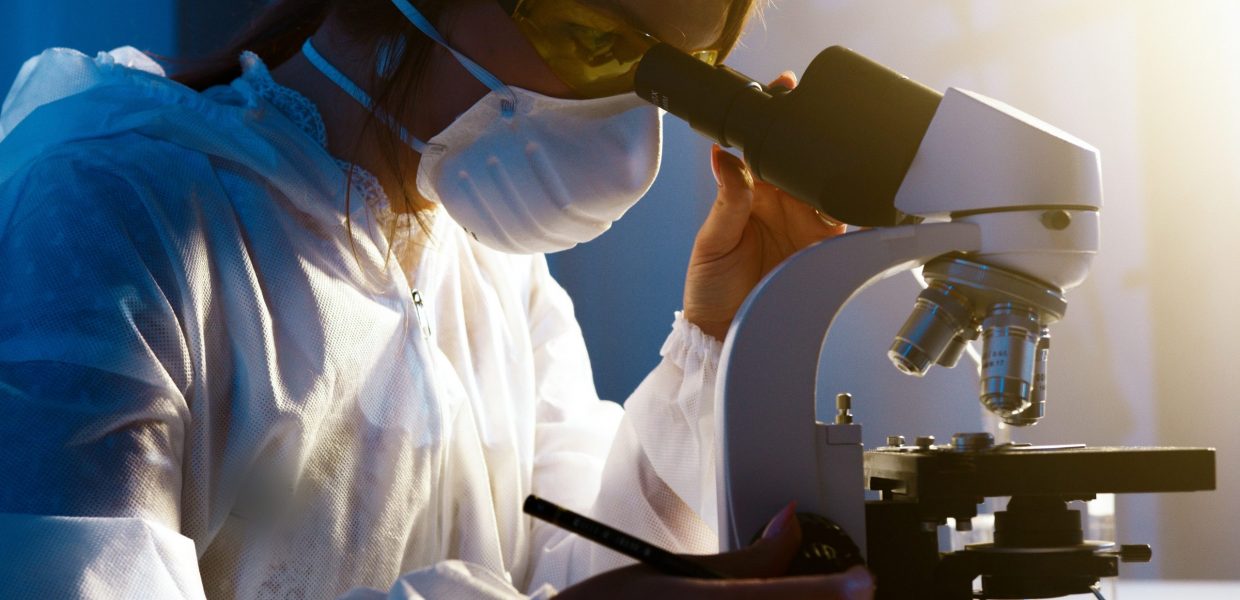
593	52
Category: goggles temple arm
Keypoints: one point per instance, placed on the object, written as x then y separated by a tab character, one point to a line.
478	71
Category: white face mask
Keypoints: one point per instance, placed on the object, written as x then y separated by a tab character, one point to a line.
526	173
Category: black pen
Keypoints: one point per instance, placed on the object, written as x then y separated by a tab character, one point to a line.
619	541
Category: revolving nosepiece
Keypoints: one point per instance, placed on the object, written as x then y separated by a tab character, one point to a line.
966	300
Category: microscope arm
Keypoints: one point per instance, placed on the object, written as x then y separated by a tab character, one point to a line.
771	448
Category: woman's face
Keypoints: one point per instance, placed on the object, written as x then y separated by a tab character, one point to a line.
486	34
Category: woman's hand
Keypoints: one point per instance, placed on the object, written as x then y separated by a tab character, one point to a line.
752	227
757	570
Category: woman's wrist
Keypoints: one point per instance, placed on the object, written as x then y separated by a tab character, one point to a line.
713	328
688	344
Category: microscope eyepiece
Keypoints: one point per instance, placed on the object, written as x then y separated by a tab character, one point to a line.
841	142
703	95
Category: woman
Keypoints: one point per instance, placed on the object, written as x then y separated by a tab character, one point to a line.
245	350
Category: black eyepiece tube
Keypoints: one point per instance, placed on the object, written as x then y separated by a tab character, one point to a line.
702	95
841	141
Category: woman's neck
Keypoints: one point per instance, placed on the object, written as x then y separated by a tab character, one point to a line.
348	137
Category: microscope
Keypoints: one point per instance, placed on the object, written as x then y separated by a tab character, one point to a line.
1001	212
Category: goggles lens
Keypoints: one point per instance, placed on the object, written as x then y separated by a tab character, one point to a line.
595	53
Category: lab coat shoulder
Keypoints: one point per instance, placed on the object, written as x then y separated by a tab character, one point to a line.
85	236
93	360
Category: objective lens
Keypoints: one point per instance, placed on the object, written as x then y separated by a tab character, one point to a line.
933	333
1037	400
921	341
1010	336
955	350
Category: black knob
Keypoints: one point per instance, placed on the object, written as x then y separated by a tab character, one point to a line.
1135	553
825	547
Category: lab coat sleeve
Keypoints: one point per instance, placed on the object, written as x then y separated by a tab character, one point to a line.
93	373
647	470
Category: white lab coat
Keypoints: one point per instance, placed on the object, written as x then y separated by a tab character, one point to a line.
208	387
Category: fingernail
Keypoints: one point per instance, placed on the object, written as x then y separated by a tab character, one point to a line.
786	81
724	161
714	163
780	523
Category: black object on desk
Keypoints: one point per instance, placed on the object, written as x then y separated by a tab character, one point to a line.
619	541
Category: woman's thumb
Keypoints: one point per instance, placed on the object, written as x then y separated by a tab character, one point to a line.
770	554
730	213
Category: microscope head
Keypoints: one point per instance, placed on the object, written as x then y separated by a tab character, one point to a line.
1034	189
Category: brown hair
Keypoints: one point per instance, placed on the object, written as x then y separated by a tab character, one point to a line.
277	33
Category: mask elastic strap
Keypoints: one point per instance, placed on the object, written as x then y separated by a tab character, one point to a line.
357	93
509	103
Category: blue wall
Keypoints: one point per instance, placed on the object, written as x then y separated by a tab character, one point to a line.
627	284
87	25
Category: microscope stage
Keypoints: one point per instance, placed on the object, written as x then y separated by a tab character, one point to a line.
943	473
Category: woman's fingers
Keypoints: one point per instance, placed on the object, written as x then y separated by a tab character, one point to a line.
730	213
767	557
853	584
786	80
641	581
754	572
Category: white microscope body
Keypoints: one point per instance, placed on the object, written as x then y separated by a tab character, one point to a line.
1010	207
